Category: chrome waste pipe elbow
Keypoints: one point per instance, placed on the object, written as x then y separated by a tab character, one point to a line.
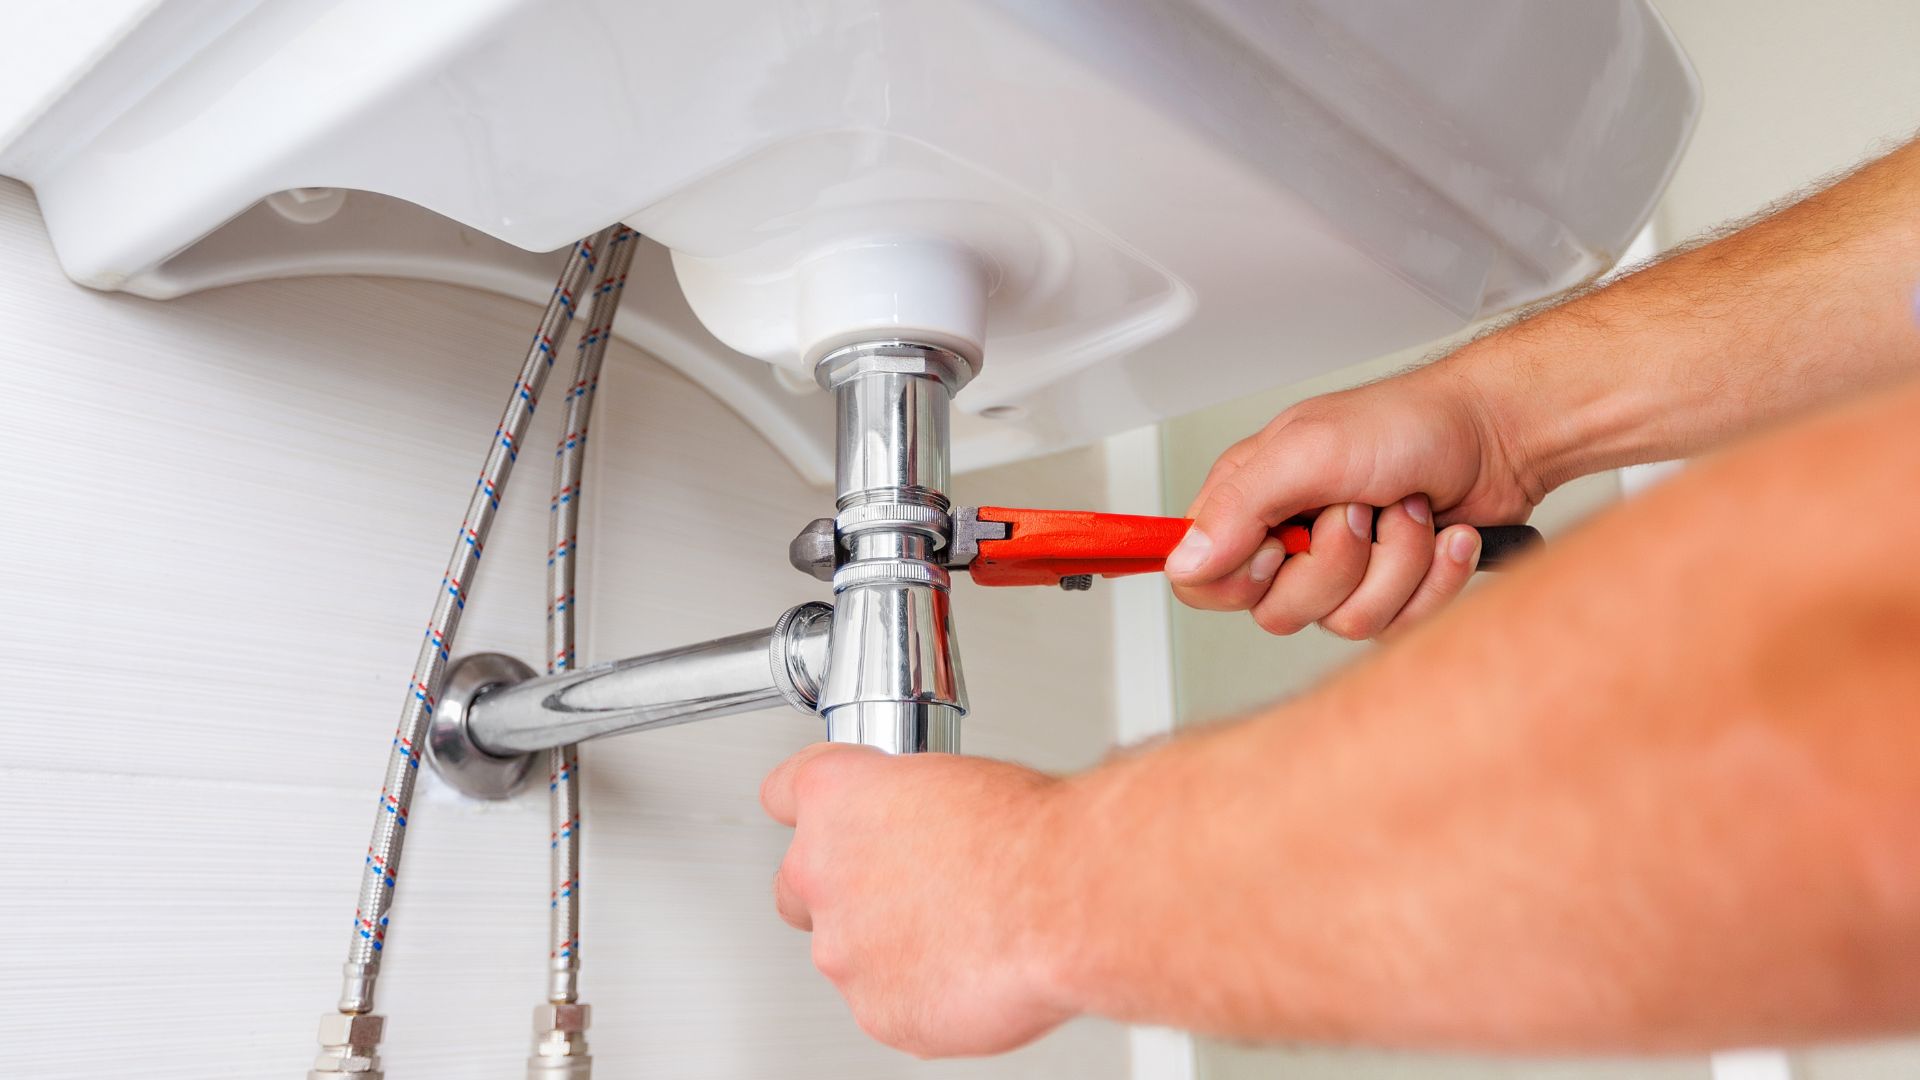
895	683
880	665
496	717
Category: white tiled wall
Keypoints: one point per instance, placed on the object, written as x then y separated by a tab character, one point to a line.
221	523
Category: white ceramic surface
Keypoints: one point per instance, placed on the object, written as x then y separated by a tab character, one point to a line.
1165	205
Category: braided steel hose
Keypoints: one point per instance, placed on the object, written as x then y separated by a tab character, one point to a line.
569	463
429	672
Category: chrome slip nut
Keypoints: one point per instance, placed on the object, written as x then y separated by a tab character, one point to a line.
349	1045
894	358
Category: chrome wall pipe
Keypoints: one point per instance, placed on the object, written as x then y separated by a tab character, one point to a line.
741	673
496	716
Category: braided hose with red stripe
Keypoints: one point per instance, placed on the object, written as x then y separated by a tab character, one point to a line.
569	463
429	673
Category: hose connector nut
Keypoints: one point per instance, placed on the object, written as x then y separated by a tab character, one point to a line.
555	1019
349	1047
560	1042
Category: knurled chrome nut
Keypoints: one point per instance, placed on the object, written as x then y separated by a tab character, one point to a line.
897	357
930	521
358	1033
890	572
565	1019
791	676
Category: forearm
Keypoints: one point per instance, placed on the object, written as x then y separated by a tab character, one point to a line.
1794	311
1658	790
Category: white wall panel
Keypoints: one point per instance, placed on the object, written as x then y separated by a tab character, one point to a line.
221	523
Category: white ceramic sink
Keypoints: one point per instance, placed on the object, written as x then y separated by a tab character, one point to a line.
1127	211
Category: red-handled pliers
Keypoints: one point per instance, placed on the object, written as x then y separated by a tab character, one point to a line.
1001	545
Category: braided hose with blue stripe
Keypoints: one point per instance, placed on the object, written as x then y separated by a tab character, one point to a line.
429	671
569	463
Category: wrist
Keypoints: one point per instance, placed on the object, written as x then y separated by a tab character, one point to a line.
1499	395
1055	883
1566	392
1550	398
1113	883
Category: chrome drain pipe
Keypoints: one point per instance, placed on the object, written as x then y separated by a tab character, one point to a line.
496	716
897	683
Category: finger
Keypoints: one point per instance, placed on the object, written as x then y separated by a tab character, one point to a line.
1456	552
1296	470
793	911
1402	552
1243	588
777	795
1311	585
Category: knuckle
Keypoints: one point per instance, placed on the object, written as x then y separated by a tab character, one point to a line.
1351	625
793	917
795	878
917	1043
1300	414
1190	595
1278	623
829	959
767	789
813	778
1226	464
879	1025
834	766
1343	625
1211	598
793	910
1318	430
1229	498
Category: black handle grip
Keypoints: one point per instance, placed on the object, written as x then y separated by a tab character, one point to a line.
1501	544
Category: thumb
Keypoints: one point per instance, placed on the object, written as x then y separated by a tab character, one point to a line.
1276	483
778	792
